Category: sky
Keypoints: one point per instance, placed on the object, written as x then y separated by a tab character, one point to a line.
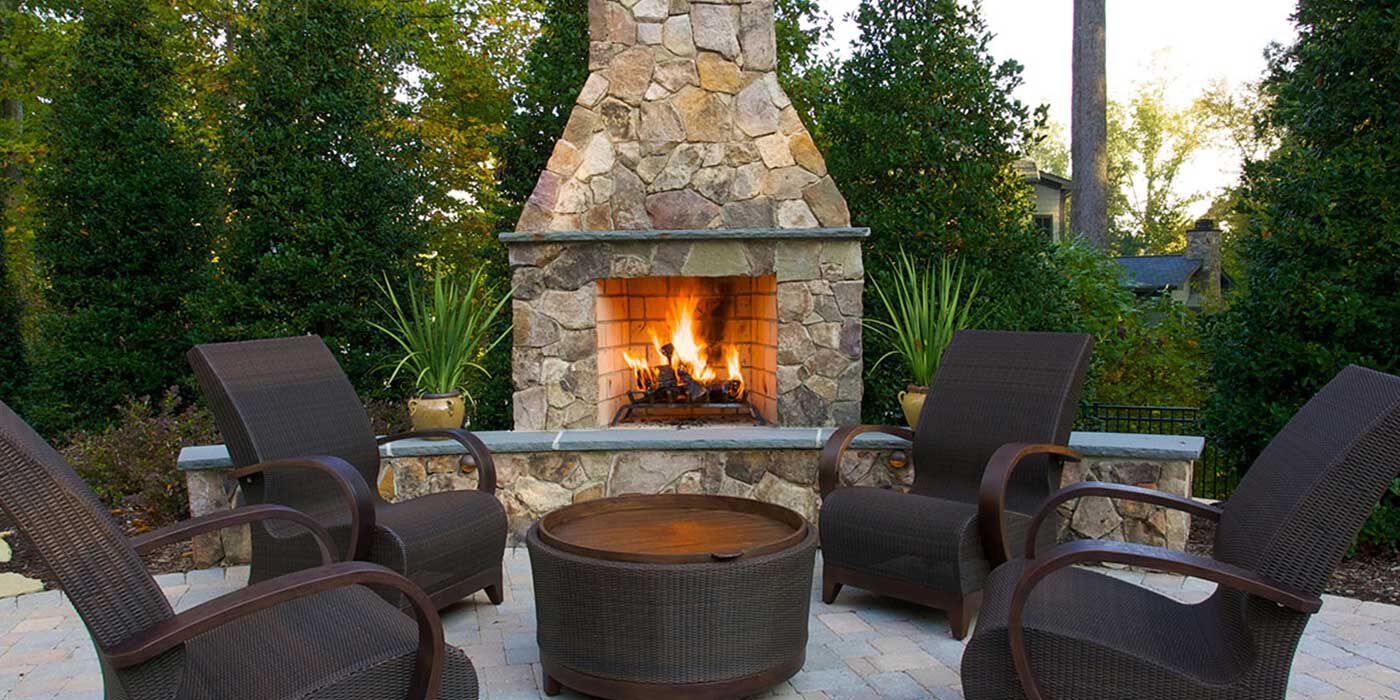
1195	41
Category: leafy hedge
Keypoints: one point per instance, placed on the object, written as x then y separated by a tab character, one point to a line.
325	185
124	237
922	133
1146	351
1321	251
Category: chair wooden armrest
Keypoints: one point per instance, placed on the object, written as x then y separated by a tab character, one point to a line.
477	456
991	497
187	529
1115	491
1102	552
354	491
164	636
829	464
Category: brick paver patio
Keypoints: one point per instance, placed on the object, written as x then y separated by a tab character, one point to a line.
862	647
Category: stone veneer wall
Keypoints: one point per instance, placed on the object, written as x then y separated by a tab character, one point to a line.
1100	518
536	480
682	125
820	303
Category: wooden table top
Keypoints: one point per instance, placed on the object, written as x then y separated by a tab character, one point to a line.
673	528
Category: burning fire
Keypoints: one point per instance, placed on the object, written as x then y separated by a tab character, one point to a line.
686	372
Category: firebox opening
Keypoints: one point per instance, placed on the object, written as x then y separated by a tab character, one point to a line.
686	350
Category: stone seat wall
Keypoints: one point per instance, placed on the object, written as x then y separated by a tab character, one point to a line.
540	472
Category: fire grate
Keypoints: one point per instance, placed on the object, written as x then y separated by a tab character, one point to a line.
641	410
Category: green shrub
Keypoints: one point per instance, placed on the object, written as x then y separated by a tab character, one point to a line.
132	464
327	186
124	235
1146	352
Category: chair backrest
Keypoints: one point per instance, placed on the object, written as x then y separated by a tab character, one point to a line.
77	538
994	388
284	398
1303	501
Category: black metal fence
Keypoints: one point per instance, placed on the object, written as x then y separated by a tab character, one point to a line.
1217	472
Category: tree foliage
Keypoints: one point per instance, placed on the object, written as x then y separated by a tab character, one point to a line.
1322	247
327	187
125	220
923	135
556	67
34	36
14	371
1049	148
804	69
1150	141
1235	121
467	57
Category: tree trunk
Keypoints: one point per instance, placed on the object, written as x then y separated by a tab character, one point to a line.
1089	128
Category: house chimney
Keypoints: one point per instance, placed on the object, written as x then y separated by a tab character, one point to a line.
1203	244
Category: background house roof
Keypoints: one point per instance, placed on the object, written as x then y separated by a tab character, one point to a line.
1152	273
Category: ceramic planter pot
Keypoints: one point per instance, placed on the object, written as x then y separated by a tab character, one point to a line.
437	411
912	401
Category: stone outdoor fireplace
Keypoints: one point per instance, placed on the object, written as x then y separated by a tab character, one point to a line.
685	205
685	258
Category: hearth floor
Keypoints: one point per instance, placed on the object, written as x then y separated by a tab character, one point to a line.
861	647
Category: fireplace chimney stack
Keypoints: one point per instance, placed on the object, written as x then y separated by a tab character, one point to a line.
682	125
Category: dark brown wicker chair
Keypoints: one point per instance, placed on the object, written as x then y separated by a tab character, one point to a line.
319	633
1000	402
1048	631
300	437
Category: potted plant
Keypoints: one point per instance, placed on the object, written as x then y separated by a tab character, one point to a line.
443	335
923	308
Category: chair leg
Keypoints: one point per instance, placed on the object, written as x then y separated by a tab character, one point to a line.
551	686
830	586
960	614
494	594
957	621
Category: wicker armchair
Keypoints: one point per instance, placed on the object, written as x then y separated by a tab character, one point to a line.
300	437
319	633
986	454
1052	631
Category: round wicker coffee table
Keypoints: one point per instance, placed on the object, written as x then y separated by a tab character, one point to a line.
671	596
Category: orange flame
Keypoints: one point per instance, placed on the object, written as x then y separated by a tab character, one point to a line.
690	353
736	371
644	374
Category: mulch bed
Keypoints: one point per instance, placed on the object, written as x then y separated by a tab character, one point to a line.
1365	576
25	558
